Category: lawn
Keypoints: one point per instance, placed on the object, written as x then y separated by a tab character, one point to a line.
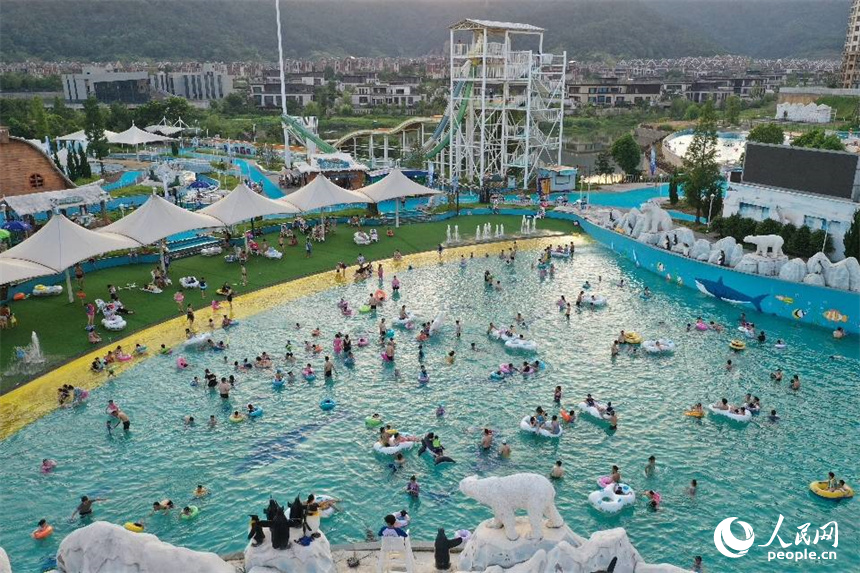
60	325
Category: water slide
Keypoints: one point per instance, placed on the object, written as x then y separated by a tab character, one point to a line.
297	128
440	138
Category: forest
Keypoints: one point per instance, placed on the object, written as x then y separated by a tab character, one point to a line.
235	30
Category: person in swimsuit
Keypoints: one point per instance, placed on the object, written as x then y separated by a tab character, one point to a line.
86	506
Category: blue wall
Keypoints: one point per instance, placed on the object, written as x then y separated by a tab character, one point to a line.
808	304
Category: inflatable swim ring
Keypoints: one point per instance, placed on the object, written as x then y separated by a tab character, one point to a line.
423	379
633	338
731	415
694	414
309	374
520	344
610	502
114	323
193	510
42	290
496	376
749	333
592	410
43	533
737	345
526	427
322	498
595	300
665	345
189	282
819	488
380	295
779	345
565	415
701	326
276	384
391	450
198	339
133	527
255	413
372	422
327	404
560	254
236	419
362	342
181	363
364	309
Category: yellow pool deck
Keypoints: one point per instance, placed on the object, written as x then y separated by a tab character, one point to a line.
38	397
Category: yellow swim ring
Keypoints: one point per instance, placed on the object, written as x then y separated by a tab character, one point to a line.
694	414
633	338
135	527
819	488
737	344
236	419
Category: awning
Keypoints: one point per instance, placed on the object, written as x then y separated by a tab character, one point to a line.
242	204
394	186
159	218
15	270
136	136
81	135
47	200
321	193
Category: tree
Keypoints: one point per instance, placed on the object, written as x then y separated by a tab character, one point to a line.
119	117
767	133
72	165
818	139
702	172
768	227
84	169
94	129
673	188
627	154
733	110
38	119
603	164
692	112
852	237
820	240
57	162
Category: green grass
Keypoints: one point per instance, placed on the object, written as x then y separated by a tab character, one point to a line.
60	324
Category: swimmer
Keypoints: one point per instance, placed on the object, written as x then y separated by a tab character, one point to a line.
440	411
212	421
505	450
450	358
200	491
795	382
47	466
556	396
773	416
723	404
654	498
651	467
839	333
697	408
487	439
43	530
694	486
163	505
557	471
614	350
776	375
423	376
729	366
188	420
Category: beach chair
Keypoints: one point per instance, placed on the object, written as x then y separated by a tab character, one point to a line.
395	554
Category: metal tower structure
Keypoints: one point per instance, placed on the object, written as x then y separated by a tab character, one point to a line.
506	105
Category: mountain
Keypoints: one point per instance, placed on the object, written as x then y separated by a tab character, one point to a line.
230	30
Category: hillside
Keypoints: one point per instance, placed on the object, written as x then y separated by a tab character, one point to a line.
228	30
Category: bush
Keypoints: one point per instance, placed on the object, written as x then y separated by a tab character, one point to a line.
787	233
730	225
852	237
817	239
717	226
745	227
768	227
801	243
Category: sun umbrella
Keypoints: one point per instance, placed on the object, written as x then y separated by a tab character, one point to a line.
19	226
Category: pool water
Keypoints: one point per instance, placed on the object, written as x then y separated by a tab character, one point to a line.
755	472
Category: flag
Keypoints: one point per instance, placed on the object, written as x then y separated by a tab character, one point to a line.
653	165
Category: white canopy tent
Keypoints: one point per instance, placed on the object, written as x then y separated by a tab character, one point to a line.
395	185
159	218
14	270
321	193
242	204
136	136
61	243
81	136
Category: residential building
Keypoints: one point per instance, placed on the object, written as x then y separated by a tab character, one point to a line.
611	91
851	51
368	96
813	187
26	168
266	93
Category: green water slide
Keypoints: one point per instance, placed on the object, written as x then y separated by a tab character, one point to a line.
443	143
302	132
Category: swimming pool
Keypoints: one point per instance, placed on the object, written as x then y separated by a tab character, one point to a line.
756	472
126	179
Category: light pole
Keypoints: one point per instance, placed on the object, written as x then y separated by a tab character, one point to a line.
710	206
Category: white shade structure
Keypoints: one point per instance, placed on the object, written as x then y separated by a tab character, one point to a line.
14	270
321	193
395	185
81	136
136	136
242	204
61	243
159	218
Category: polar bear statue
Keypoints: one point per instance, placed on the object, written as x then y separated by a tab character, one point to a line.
656	219
765	243
505	495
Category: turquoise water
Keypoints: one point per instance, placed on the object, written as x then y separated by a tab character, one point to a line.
126	179
753	472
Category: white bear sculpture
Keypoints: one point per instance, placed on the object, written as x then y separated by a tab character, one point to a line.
505	495
654	218
766	245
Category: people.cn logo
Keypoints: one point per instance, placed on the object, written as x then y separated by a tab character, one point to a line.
727	543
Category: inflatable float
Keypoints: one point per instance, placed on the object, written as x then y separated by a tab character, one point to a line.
42	290
659	346
731	415
391	450
189	282
114	323
521	344
609	501
592	410
526	427
819	488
